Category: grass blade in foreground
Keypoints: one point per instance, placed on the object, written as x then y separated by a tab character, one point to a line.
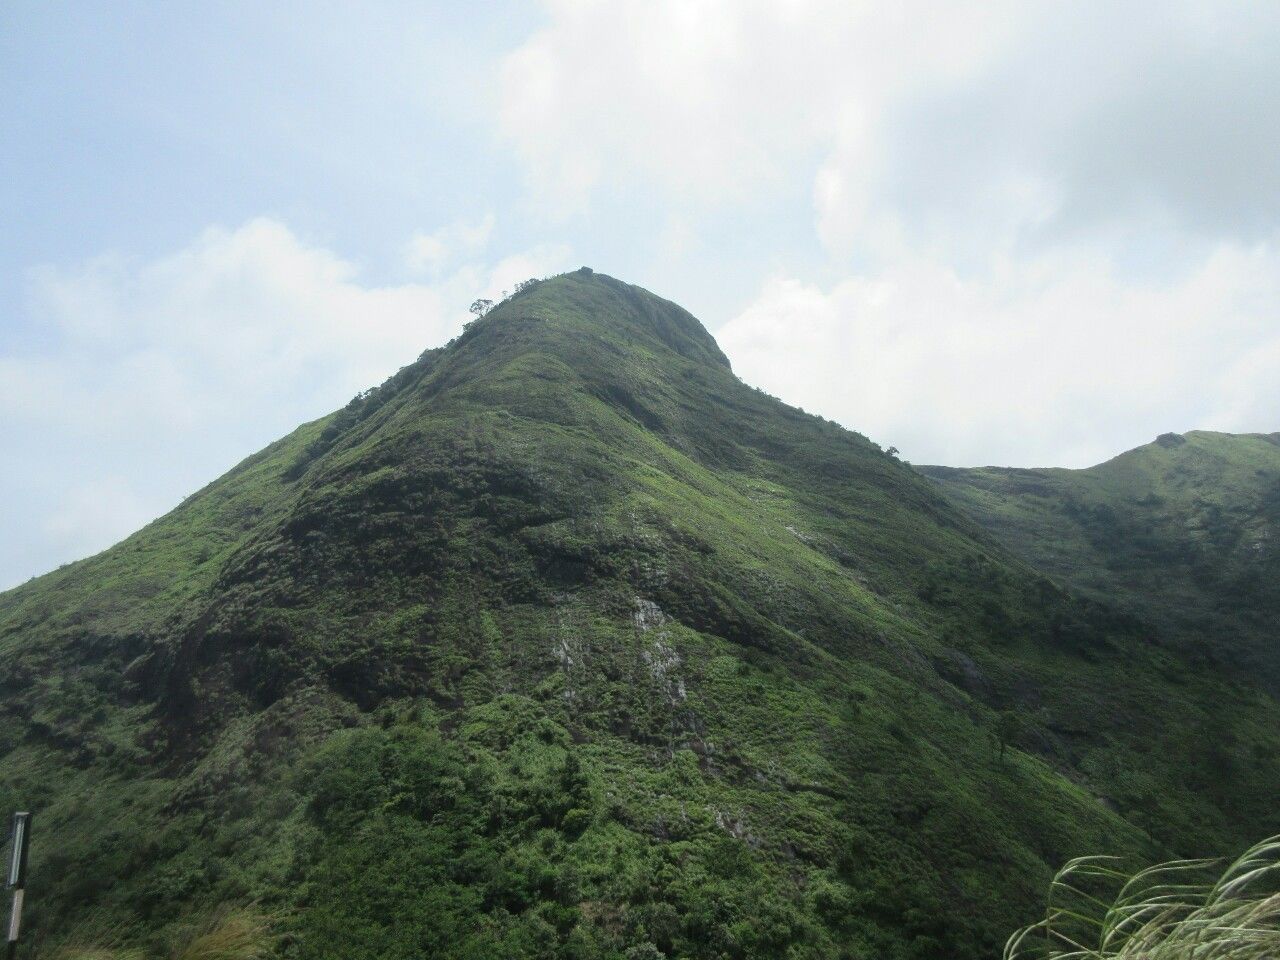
1172	911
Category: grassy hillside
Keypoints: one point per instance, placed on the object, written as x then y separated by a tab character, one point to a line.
1183	532
566	643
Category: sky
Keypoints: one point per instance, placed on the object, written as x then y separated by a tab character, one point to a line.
1019	233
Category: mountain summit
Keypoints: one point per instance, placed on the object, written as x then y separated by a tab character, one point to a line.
566	642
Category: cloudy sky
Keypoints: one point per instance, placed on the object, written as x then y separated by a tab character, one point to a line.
1018	233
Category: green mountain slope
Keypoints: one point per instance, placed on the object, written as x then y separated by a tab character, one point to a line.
1183	532
566	643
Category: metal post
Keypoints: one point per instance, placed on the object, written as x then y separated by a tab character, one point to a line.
16	878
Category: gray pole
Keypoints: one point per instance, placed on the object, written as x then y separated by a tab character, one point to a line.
16	878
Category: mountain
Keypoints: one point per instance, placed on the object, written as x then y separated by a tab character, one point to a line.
564	642
1183	532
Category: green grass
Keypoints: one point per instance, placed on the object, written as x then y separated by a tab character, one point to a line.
1181	532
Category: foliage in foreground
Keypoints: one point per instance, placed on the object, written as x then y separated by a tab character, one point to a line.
1165	912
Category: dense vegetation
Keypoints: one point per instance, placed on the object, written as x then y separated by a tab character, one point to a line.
566	643
1183	532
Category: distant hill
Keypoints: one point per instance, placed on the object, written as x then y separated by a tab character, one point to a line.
564	642
1183	532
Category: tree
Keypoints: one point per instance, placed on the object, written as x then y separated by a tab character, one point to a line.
1008	729
480	307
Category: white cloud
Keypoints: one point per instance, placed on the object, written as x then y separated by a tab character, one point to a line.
1148	124
431	253
1053	361
157	375
239	321
964	125
712	98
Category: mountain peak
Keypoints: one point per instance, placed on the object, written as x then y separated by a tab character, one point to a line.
586	302
581	349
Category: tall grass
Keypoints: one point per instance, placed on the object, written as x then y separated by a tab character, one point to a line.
238	933
235	934
1172	911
